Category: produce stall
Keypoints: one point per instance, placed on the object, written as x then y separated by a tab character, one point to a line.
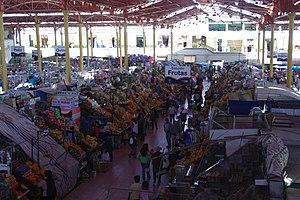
40	148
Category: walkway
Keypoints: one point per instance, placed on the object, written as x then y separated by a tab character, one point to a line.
122	173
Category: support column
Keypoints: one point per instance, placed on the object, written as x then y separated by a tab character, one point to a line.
20	44
38	44
80	47
87	46
172	56
55	44
3	61
144	41
117	42
125	47
272	51
61	38
290	50
120	46
20	39
258	47
263	51
66	28
92	42
154	46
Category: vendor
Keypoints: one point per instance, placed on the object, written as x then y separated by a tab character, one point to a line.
48	187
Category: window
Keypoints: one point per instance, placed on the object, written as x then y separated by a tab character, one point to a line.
269	28
217	27
234	27
250	27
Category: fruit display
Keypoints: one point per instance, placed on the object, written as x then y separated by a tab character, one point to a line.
89	141
34	173
74	149
57	135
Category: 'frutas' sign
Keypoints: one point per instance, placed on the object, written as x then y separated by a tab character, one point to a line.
177	74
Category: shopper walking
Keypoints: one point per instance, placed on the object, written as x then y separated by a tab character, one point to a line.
134	193
167	126
183	117
141	127
175	134
133	144
157	163
153	118
172	112
144	157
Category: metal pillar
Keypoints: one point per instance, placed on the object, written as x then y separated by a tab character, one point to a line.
125	47
38	44
55	44
154	53
172	46
20	44
92	42
290	50
61	38
263	51
117	42
120	46
258	47
3	61
66	28
80	47
272	51
20	39
144	41
87	46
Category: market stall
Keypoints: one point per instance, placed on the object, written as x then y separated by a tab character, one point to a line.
41	147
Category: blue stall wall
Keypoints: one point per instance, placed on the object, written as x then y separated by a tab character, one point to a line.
244	107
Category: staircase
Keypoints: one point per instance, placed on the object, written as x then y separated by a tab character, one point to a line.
282	120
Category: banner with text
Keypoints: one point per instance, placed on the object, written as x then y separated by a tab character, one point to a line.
60	51
177	74
17	51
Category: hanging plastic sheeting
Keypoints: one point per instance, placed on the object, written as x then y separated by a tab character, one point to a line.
21	131
276	155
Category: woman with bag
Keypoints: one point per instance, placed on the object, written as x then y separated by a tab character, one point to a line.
144	157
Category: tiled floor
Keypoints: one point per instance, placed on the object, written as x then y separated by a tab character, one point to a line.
122	173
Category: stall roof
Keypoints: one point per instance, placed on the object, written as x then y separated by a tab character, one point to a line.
20	13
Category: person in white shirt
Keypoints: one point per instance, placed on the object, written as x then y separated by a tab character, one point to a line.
134	193
172	111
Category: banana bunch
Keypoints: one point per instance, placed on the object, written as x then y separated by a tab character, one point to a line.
91	141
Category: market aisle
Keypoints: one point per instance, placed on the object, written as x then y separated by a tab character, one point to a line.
122	173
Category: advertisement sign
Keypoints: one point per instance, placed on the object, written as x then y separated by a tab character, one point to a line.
177	74
60	51
35	53
17	51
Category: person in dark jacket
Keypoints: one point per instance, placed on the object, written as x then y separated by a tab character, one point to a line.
51	188
154	117
157	163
